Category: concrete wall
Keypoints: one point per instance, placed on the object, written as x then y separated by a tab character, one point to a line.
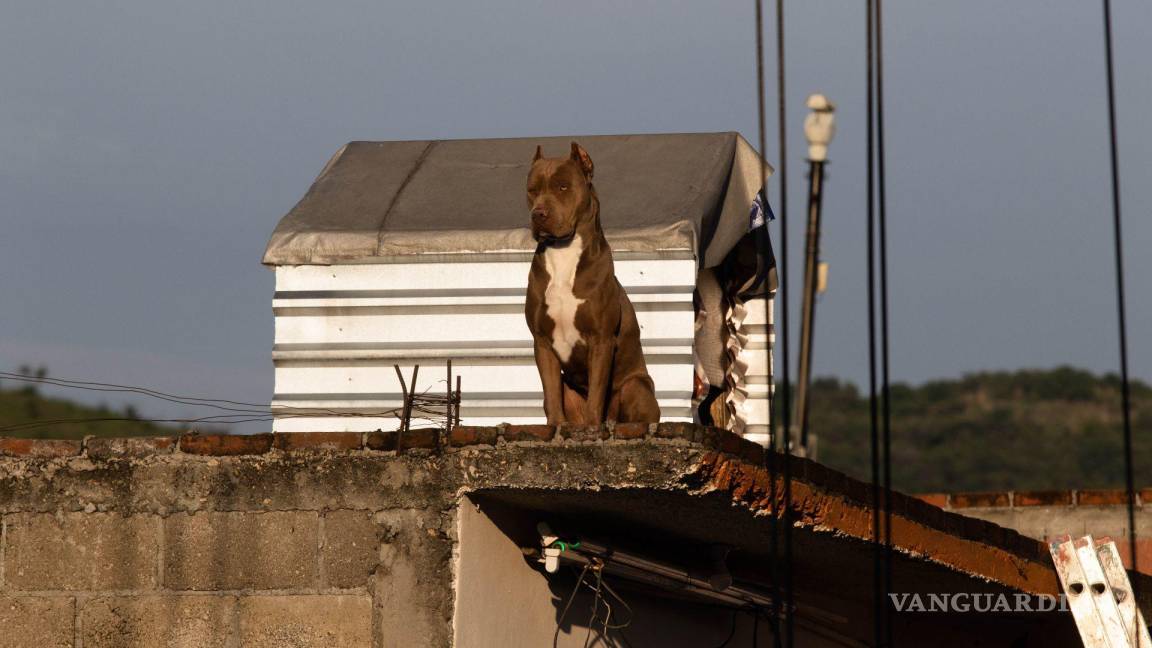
502	600
1045	515
294	541
220	543
357	539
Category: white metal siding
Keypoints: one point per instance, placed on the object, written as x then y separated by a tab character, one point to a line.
341	328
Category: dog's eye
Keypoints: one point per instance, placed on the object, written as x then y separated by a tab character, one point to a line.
563	187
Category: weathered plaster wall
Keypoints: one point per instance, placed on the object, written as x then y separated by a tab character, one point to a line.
218	542
294	540
502	601
348	539
1046	515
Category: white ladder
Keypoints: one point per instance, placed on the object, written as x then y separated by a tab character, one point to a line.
1099	593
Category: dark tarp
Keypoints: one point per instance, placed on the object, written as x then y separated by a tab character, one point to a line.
682	192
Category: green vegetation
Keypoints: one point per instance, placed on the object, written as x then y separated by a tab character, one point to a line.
1022	430
23	403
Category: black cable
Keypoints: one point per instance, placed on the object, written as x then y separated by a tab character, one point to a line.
596	598
182	400
1117	239
196	401
568	604
878	597
770	451
731	630
782	274
885	382
205	419
99	386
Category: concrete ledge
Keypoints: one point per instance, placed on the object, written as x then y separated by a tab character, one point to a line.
461	437
280	527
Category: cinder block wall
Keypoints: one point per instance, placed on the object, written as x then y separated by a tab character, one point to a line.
1045	515
290	540
206	542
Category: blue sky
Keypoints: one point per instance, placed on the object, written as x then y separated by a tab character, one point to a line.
148	149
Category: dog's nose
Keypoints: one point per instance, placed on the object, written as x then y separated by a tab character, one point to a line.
539	215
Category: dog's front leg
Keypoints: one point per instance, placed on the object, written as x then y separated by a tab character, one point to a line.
600	352
549	367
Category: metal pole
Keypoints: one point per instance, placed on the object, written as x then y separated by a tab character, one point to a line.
808	310
819	128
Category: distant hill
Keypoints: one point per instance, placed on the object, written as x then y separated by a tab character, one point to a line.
25	404
1023	430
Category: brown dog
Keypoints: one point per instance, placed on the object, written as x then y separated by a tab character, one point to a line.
587	339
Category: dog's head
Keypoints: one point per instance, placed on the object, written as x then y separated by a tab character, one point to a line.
559	193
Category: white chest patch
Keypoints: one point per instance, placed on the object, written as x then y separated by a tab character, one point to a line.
561	301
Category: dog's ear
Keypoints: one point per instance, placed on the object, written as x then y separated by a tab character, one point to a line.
539	153
585	160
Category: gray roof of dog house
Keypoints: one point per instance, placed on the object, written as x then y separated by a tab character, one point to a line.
658	193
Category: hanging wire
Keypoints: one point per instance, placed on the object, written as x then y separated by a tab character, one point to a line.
1118	239
731	630
879	580
770	454
783	273
111	387
223	419
251	408
568	604
885	381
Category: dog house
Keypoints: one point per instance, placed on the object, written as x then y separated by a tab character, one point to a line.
417	253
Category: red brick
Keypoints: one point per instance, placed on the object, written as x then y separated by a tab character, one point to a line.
468	435
1102	497
680	430
730	443
39	447
423	438
753	453
1143	553
1042	498
629	431
529	432
935	499
318	441
225	445
974	500
710	437
382	441
1145	497
129	447
584	432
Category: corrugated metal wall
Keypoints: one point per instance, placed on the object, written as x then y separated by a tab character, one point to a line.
341	328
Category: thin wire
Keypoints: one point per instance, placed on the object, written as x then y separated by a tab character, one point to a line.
878	594
615	595
731	630
568	605
783	274
1125	393
182	400
205	402
596	598
885	382
205	419
770	454
95	386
